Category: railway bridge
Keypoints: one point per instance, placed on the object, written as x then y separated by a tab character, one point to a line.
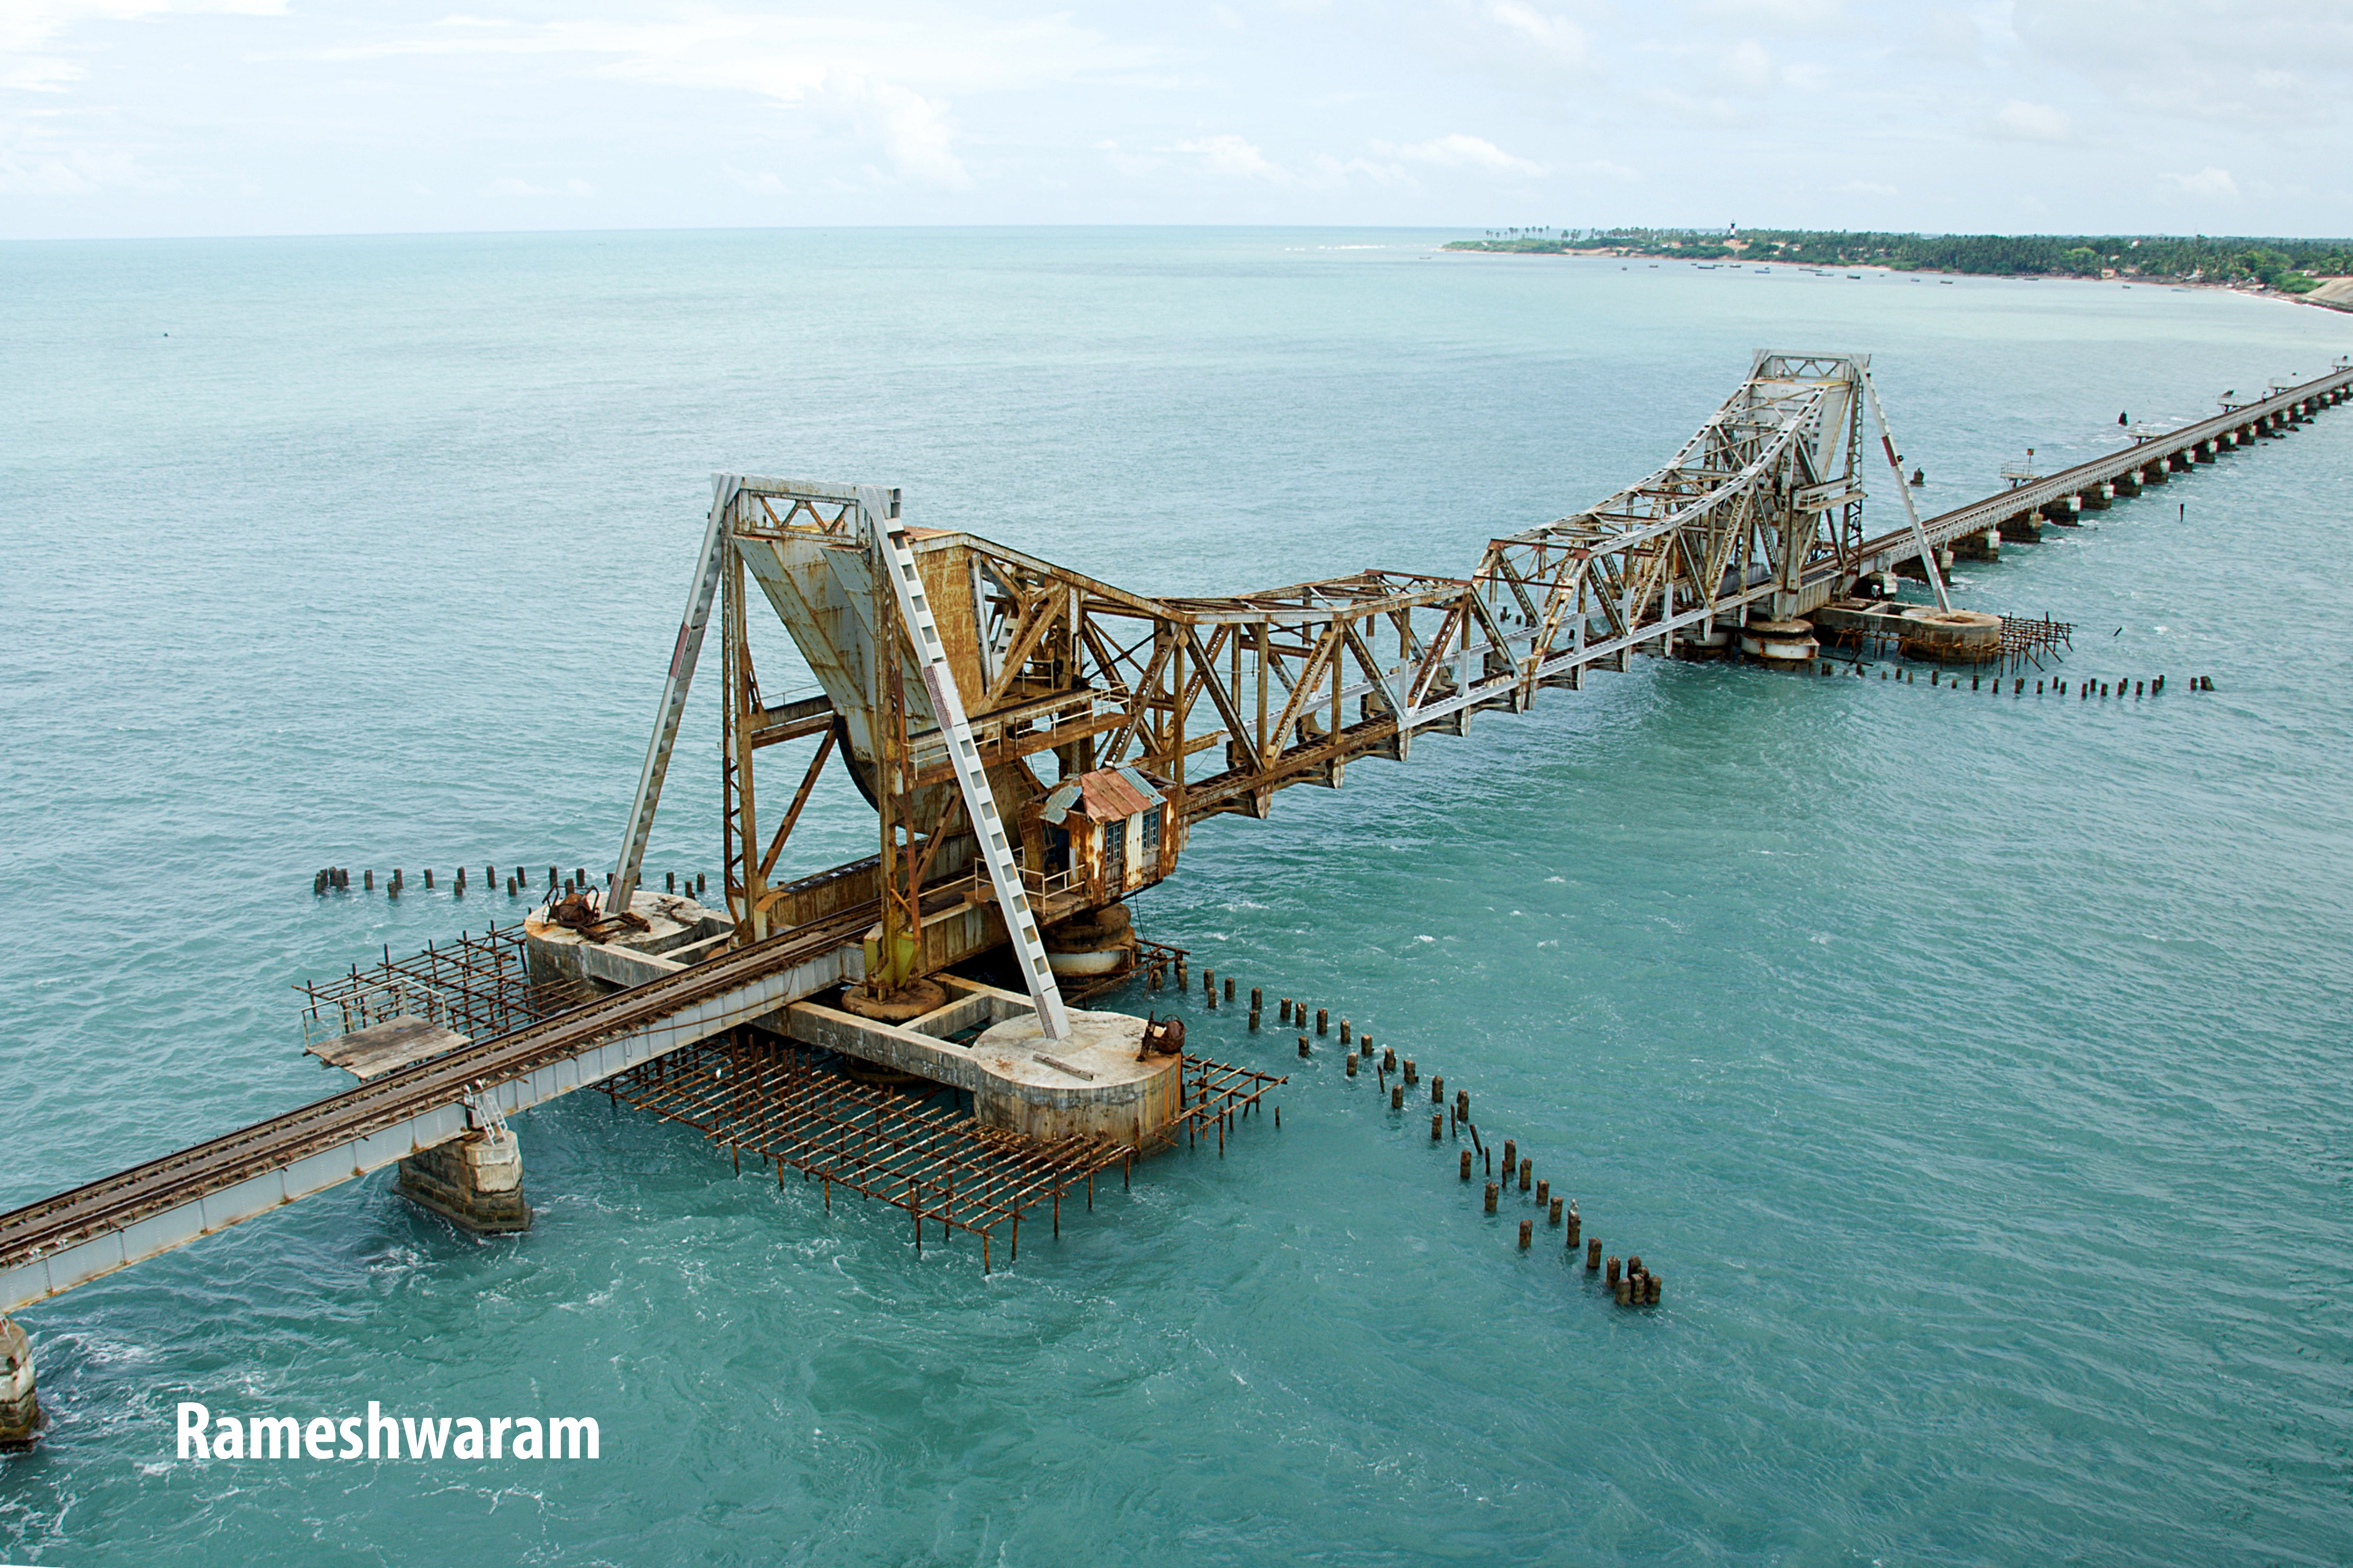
1035	743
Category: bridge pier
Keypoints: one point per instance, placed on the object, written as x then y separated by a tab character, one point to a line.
1984	546
2097	498
2128	482
20	1408
475	1181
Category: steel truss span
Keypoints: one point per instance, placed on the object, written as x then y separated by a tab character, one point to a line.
998	657
1228	701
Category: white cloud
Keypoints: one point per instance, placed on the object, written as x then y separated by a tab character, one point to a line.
511	186
878	75
2207	182
31	30
1747	66
1230	154
2018	121
1792	15
1556	34
1459	151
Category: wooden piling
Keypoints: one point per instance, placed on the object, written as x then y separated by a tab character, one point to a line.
1466	1164
1492	1191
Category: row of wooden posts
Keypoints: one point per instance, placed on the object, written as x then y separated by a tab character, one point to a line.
1630	1282
338	880
2151	686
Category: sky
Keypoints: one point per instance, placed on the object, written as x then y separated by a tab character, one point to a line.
239	117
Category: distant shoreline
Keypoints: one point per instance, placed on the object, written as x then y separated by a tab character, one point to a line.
2314	272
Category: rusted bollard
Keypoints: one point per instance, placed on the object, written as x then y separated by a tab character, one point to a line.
1492	1191
1343	1031
1397	1098
1436	1127
1527	1234
1593	1253
1466	1164
1352	1066
1322	1020
1554	1212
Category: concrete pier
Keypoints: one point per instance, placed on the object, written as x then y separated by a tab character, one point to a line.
476	1182
20	1409
1985	546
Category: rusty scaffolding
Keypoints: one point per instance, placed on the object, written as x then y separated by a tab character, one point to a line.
790	1105
1215	1096
479	986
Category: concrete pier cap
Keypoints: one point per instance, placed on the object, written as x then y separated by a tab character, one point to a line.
1095	1084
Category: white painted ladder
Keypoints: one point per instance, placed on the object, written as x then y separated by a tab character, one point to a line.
891	535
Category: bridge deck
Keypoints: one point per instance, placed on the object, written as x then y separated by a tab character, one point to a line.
62	1241
78	1236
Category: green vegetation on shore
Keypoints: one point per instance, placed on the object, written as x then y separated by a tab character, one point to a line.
2290	265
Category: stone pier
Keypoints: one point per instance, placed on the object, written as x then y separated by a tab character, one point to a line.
475	1181
20	1409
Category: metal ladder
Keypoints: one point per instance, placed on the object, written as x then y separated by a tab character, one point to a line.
890	533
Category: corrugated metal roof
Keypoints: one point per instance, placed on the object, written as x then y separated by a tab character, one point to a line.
1059	802
1107	794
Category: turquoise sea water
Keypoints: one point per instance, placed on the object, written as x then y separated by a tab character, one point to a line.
1972	1069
